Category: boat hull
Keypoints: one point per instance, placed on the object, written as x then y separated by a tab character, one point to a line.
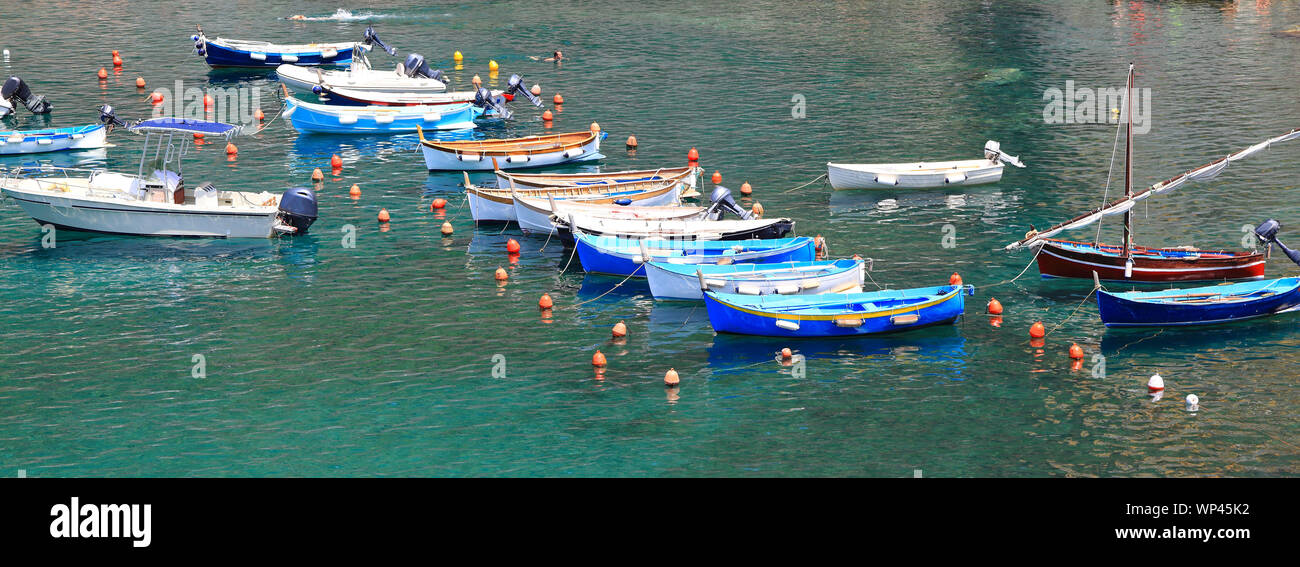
622	257
218	54
143	218
439	159
325	119
673	282
1065	259
862	313
913	176
697	229
1146	309
58	139
533	220
301	80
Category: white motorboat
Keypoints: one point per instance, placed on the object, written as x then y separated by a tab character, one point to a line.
412	76
922	174
155	200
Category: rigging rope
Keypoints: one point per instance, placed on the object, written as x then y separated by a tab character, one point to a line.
806	184
1110	170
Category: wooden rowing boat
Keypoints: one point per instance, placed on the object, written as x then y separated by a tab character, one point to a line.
510	153
922	174
489	204
1198	305
526	180
835	314
674	281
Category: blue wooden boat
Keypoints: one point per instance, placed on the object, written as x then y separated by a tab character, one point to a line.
685	281
624	256
1198	305
836	314
308	117
86	137
222	52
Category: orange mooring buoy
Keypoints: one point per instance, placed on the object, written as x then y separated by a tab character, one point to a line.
954	279
745	189
558	99
355	191
231	149
1076	352
156	97
545	302
786	354
383	215
316	175
547	116
631	141
598	359
259	115
207	100
671	378
717	177
117	61
512	246
139	82
595	127
620	330
103	73
438	203
476	80
336	162
536	90
757	209
446	228
1037	330
501	274
995	307
693	155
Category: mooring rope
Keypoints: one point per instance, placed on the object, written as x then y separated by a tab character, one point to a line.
616	286
1072	313
1022	272
816	179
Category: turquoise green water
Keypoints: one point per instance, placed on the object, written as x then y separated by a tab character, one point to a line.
378	360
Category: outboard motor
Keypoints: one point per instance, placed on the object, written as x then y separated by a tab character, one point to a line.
106	116
723	203
516	86
298	208
415	66
1267	232
15	88
483	99
371	38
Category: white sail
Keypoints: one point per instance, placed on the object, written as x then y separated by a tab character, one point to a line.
1202	173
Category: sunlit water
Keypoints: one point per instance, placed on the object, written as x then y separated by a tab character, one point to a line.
379	359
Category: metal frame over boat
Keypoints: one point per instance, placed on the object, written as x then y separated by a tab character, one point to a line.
157	204
308	117
836	314
1127	262
922	174
87	137
510	153
683	282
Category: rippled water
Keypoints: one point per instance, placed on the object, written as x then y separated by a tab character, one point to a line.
378	360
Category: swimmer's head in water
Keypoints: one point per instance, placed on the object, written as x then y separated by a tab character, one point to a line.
559	55
297	17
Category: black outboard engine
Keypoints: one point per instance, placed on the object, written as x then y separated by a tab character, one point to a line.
15	88
371	38
298	208
723	203
1267	232
415	66
106	116
516	86
483	99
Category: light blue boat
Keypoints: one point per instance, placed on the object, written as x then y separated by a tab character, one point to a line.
309	117
685	281
836	314
86	137
619	256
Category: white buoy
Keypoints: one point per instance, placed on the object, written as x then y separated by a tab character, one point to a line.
1193	402
1155	383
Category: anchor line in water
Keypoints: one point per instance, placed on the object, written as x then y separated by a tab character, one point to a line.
815	179
1072	313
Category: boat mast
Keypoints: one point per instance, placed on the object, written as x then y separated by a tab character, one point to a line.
1128	162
